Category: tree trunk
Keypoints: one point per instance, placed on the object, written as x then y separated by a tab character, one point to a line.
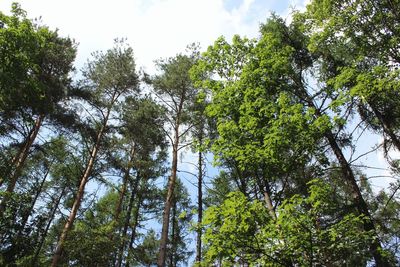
270	206
43	238
348	175
29	212
134	193
358	200
173	235
19	160
168	201
133	227
81	190
200	205
118	208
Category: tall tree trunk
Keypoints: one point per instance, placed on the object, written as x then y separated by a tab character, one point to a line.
46	230
199	204
135	222
81	190
358	200
118	207
270	206
19	160
33	203
168	201
129	164
174	244
134	194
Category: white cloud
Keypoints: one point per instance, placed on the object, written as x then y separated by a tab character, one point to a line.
157	28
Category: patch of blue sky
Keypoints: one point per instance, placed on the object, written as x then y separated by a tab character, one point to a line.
230	5
260	10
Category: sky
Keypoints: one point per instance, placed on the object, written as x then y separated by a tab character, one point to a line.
162	28
154	28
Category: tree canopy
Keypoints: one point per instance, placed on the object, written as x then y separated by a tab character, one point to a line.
94	169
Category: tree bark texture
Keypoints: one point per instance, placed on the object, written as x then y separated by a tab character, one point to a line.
18	161
80	193
168	202
199	205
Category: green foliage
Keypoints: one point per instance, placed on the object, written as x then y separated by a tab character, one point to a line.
308	231
221	187
89	243
36	62
148	249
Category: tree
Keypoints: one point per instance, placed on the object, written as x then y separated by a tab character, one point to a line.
142	130
175	89
309	230
358	42
270	120
34	80
181	216
109	76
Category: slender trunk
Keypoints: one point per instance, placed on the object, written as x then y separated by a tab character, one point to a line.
264	188
81	190
122	193
358	200
19	160
29	212
134	194
118	208
43	238
173	233
348	175
386	127
270	206
133	228
200	205
168	201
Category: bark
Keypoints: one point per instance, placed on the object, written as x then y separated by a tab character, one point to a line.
80	193
118	208
358	200
270	206
168	204
43	238
18	161
200	205
33	203
266	191
134	193
172	262
170	189
134	226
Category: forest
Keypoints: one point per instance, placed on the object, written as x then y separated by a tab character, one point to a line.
277	130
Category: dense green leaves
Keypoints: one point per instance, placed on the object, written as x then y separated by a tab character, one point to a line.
308	231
